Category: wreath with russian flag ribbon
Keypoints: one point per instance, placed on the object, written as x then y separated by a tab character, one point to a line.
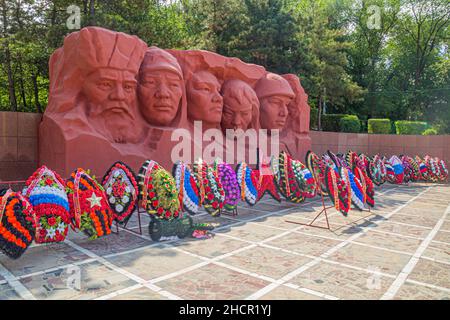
46	192
305	179
357	189
186	183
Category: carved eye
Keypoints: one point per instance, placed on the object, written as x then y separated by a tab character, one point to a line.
105	85
128	87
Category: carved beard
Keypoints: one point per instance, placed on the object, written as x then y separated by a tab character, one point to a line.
118	127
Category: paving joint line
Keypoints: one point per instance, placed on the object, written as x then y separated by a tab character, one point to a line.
409	267
329	252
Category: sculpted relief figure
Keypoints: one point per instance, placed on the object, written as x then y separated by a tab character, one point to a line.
274	94
204	100
161	89
240	106
109	63
113	98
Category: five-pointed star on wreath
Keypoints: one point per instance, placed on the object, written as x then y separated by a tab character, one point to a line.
94	200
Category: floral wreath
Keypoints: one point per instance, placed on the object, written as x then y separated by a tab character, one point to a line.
424	171
377	170
359	171
444	169
211	190
415	170
304	179
121	189
248	183
158	191
186	183
17	224
338	191
286	182
407	169
265	178
45	190
433	168
367	183
318	169
397	166
357	192
229	183
89	206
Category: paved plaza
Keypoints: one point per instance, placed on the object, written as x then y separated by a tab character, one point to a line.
400	250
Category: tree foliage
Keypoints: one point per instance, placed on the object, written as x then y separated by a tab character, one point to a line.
350	61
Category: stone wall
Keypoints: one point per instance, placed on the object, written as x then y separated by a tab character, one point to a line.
18	144
387	144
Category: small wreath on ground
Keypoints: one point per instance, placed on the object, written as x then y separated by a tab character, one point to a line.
17	223
211	190
121	189
46	192
89	206
229	183
338	191
248	183
158	191
186	184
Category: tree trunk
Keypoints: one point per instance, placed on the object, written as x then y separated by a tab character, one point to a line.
11	89
319	116
92	12
22	87
36	92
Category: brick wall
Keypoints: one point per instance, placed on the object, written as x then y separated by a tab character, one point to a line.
387	144
18	144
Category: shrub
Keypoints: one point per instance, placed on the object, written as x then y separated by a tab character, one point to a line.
350	123
331	122
410	127
380	126
429	132
313	118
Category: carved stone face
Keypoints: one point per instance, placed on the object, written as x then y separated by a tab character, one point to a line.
274	111
204	100
236	116
240	105
111	98
160	94
110	92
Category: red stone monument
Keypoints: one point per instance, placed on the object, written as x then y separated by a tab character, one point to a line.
114	98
